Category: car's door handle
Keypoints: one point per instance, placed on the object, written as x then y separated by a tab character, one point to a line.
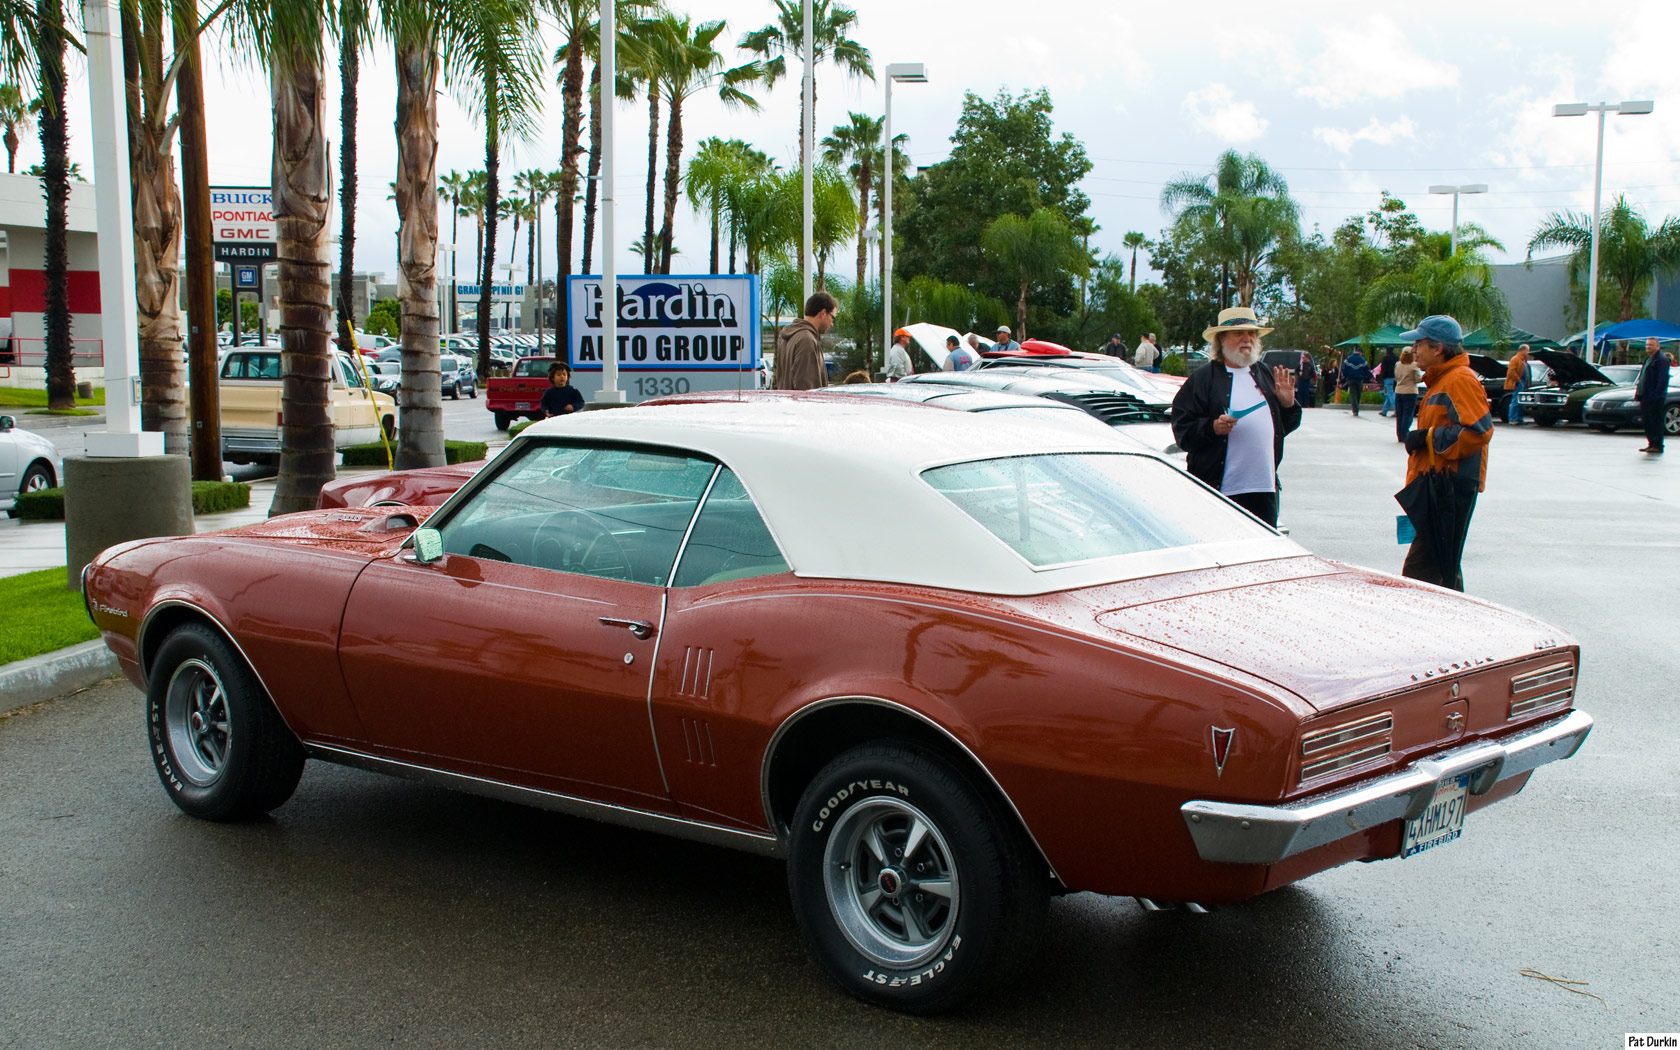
640	628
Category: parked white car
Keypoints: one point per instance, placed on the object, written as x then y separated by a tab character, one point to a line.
28	463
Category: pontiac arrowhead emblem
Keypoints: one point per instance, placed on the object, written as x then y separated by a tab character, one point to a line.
1221	748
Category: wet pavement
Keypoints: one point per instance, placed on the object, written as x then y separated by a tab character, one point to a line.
370	911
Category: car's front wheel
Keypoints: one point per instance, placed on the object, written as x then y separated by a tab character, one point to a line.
1604	428
1545	421
219	746
38	478
473	393
1671	421
455	391
912	890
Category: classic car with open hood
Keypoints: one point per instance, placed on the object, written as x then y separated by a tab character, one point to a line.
946	664
1572	382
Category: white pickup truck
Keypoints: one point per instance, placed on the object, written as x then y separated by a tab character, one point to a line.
250	392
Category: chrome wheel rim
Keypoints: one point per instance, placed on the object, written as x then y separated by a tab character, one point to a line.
196	718
891	883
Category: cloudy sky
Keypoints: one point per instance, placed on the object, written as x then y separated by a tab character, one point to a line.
1345	102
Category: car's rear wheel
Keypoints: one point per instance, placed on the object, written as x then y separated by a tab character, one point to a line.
217	743
1545	421
1604	428
503	420
1671	421
912	890
38	478
473	393
455	391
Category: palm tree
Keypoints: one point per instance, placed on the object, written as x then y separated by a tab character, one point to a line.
50	36
1458	285
785	38
1033	249
473	202
15	113
1472	238
717	162
860	143
1134	240
496	69
353	31
630	25
451	188
1630	254
690	63
1243	207
749	167
833	222
289	37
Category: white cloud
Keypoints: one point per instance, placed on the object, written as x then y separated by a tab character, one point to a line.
1376	132
1216	111
1370	59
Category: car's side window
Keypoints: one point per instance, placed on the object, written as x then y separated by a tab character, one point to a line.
618	513
730	540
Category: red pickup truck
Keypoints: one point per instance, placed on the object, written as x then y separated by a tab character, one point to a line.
519	393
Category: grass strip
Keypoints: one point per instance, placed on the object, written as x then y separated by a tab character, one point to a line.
36	397
42	615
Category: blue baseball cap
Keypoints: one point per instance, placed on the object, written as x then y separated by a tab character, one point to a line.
1439	327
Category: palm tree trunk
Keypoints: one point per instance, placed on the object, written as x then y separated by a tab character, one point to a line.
348	72
1021	312
12	144
589	192
716	233
1134	270
420	404
302	209
863	258
492	189
55	186
157	235
673	160
571	129
653	176
204	397
455	253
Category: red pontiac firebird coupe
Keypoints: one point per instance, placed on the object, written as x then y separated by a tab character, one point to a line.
946	664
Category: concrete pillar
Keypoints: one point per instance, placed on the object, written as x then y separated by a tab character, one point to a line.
109	500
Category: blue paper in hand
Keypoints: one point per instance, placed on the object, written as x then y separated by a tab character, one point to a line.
1404	530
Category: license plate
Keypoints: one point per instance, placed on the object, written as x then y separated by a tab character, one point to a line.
522	404
1442	822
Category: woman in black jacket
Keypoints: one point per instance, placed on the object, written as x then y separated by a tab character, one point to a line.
1228	442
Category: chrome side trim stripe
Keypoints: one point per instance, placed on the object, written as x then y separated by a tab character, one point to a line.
641	820
1237	833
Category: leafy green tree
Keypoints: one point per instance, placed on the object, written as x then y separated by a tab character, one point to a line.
385	318
1187	299
1034	251
1243	208
1459	285
1630	253
1006	159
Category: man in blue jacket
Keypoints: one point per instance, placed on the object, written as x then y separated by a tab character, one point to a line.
1652	392
1355	374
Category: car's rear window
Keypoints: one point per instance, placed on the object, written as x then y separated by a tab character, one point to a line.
535	366
1060	509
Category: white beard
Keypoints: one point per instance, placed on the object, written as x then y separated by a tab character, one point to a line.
1235	357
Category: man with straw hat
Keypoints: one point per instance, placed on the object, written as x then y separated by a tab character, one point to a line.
1217	417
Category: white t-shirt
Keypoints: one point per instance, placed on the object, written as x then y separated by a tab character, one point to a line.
1249	466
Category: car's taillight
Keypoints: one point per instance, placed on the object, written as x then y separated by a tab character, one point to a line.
1332	750
1550	686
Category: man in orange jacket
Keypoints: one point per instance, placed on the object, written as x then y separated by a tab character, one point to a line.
1516	381
1454	426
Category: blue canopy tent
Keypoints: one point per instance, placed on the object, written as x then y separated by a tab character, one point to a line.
1634	331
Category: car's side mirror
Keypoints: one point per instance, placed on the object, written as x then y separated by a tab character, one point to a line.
7	423
428	545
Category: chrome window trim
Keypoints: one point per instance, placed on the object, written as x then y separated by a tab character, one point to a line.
816	705
571	805
1239	833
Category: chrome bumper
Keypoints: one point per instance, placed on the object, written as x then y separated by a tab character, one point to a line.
1235	833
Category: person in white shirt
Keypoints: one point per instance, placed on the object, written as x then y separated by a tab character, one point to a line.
898	357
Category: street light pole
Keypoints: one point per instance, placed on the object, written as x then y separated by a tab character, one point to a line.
1581	109
808	130
1476	187
909	73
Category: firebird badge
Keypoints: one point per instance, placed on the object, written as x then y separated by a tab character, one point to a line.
1221	748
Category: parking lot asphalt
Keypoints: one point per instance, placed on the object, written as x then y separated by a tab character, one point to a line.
369	911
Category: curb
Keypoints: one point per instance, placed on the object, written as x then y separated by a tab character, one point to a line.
54	674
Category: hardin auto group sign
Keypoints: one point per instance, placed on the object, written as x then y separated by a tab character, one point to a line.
242	223
677	333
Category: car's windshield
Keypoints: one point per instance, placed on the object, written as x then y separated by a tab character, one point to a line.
1065	508
1621	375
533	366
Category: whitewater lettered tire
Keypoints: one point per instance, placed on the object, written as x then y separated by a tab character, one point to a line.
912	890
219	747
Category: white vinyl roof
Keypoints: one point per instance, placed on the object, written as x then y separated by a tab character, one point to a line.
839	485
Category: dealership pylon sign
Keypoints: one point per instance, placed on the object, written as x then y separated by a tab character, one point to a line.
242	223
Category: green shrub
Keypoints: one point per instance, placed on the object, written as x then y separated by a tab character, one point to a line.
210	497
1173	365
514	430
45	505
373	454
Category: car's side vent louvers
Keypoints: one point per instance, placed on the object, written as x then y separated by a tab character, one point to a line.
1549	686
1332	750
696	673
697	740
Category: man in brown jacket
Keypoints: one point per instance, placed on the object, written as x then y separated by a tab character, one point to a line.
799	356
1516	381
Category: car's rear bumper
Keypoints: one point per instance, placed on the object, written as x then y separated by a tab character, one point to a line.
1236	833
